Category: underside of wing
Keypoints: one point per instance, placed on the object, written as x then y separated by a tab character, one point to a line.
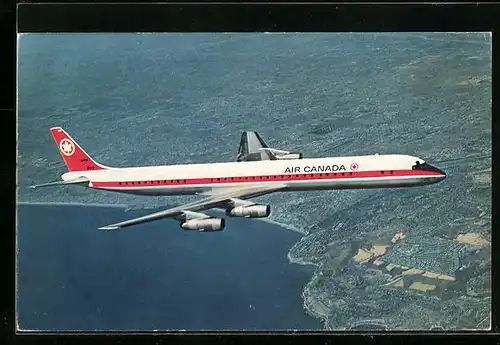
185	213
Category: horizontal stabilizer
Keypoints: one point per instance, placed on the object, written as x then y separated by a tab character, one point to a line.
78	180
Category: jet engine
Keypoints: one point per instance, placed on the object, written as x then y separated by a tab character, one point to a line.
252	211
205	224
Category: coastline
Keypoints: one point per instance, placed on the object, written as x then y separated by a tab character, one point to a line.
311	306
308	302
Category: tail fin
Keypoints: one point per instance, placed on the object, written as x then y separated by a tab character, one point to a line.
74	156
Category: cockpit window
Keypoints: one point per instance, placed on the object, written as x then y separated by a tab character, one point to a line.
426	167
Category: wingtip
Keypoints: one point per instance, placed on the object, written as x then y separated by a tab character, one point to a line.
109	227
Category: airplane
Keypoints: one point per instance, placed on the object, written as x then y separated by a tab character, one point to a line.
259	170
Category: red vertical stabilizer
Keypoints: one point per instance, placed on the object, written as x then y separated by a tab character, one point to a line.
74	156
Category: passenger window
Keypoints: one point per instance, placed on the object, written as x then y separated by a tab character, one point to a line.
350	173
327	174
320	175
392	171
334	174
382	171
343	174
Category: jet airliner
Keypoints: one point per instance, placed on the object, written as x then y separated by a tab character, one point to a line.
259	170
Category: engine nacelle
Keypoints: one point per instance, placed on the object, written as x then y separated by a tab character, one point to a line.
289	155
205	224
253	211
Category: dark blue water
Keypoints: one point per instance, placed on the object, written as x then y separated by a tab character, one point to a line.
74	277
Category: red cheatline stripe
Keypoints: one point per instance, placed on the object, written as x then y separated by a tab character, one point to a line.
264	178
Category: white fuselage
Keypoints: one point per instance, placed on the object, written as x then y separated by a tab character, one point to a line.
374	171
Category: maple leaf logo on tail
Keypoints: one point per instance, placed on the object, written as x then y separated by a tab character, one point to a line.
67	147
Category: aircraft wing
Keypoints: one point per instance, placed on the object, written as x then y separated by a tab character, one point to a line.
215	200
254	148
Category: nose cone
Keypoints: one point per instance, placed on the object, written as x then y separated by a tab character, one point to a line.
437	174
442	176
439	171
